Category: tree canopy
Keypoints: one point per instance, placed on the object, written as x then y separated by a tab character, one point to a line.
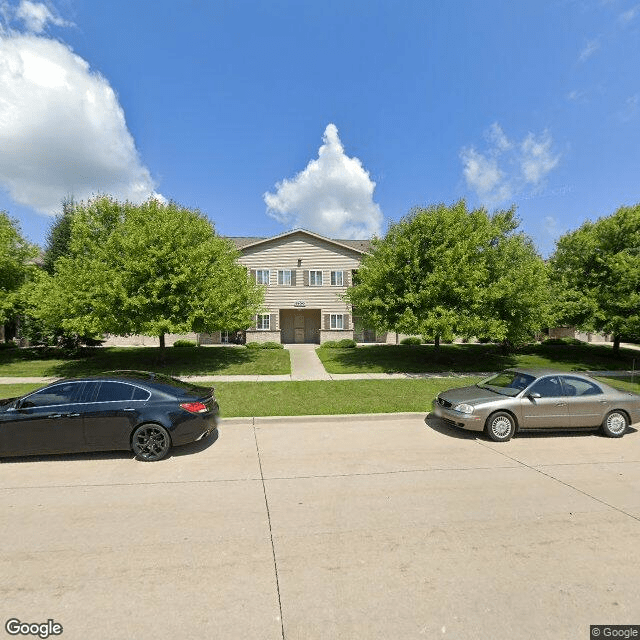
446	271
146	269
596	274
58	236
16	255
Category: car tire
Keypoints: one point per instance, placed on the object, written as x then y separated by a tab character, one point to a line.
615	424
500	426
150	442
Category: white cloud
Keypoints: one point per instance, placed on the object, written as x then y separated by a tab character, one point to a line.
630	108
589	49
333	195
537	159
497	136
36	16
629	16
505	169
62	131
484	176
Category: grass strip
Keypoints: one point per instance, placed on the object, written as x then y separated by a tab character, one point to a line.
464	358
178	361
329	397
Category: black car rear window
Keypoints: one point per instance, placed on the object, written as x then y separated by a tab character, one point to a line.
164	383
116	391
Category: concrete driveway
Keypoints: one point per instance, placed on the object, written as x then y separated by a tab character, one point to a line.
337	529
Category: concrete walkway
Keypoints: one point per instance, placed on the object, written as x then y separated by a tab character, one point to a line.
305	364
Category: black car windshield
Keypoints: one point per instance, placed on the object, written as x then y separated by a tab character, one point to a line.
507	383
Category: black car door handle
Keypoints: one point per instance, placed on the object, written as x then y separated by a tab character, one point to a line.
128	409
57	415
73	415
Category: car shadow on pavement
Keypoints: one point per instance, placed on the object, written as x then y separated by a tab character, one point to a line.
185	449
439	425
193	447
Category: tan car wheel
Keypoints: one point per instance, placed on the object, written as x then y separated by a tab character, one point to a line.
615	424
501	426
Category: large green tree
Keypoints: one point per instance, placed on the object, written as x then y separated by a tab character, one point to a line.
146	269
58	236
596	275
444	271
16	256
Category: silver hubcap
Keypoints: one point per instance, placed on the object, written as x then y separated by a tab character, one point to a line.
616	423
501	427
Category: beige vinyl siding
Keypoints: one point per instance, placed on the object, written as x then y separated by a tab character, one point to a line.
315	254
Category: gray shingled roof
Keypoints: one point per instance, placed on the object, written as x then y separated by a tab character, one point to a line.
243	241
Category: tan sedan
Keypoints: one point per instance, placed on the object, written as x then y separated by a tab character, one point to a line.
538	399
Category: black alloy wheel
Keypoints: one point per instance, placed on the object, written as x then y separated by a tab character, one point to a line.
150	442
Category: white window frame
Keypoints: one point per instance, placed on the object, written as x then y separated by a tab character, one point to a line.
281	277
333	321
334	278
260	276
315	273
263	322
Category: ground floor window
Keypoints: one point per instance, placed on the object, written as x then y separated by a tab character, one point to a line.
336	321
263	321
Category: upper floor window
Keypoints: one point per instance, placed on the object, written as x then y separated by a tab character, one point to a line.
284	276
262	276
337	279
315	278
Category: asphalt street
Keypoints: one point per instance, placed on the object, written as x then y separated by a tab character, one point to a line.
339	528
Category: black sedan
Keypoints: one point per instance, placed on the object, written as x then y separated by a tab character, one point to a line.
132	410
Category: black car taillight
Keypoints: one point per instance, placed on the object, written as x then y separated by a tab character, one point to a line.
194	407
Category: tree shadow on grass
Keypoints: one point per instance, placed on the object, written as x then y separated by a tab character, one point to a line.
175	361
420	358
466	358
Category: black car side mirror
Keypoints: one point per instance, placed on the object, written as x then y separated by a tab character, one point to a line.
533	395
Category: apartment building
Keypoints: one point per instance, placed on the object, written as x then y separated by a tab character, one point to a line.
305	277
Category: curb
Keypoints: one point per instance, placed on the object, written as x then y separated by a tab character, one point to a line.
363	417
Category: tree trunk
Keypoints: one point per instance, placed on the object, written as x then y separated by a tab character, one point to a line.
162	350
616	344
436	345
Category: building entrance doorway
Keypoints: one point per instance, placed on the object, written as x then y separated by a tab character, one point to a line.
300	326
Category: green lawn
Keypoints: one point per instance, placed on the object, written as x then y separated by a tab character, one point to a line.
315	397
322	397
178	361
331	397
464	358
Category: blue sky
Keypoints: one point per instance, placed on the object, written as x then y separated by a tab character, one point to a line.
336	116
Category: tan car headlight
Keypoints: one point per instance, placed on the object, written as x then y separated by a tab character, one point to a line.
463	408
